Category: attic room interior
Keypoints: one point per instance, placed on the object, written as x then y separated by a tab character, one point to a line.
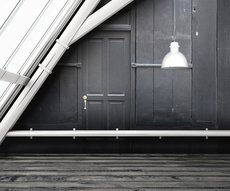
120	95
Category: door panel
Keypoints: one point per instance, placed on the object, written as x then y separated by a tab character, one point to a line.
116	115
94	66
116	69
106	80
94	115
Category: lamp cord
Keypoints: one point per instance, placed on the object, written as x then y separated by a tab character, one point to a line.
174	20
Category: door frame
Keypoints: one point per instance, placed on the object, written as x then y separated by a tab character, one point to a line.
131	28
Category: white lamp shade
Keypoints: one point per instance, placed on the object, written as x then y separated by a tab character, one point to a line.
174	59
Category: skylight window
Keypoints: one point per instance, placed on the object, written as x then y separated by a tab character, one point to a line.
22	44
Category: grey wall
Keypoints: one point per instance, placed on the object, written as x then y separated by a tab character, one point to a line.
223	68
196	98
204	59
163	97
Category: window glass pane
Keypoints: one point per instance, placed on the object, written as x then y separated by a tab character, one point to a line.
6	9
38	36
15	33
30	28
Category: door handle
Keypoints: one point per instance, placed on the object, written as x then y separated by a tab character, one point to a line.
85	101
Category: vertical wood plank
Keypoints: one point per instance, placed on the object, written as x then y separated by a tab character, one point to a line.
184	26
133	70
223	64
144	54
162	78
204	62
68	95
182	93
182	79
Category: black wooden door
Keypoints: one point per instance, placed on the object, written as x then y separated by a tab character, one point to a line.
105	58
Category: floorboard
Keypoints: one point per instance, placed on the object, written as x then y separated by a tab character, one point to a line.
115	172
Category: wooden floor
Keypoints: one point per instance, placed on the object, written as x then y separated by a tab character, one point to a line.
115	172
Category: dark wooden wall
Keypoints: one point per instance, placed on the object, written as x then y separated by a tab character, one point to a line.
223	69
163	97
195	98
204	63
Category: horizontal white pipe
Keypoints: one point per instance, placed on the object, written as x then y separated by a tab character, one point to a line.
121	133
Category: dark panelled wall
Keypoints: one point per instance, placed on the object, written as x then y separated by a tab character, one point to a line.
223	48
163	97
204	58
195	98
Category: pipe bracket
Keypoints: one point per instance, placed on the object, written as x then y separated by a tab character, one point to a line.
31	129
48	71
117	130
74	131
62	44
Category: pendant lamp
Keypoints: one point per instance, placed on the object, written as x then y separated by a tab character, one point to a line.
174	59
